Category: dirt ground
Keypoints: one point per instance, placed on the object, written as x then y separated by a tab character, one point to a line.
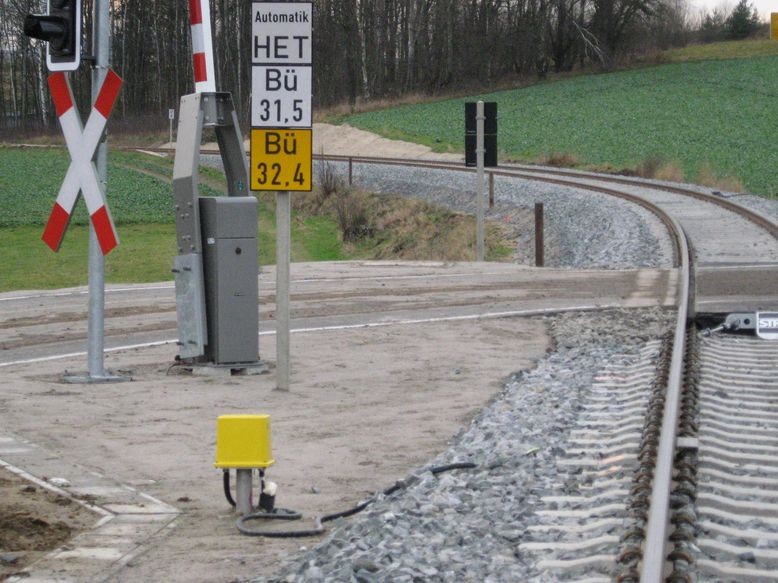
345	140
366	407
33	521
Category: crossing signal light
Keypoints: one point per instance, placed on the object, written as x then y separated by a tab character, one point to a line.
61	28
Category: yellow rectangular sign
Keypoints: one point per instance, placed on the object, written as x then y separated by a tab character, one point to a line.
774	25
281	159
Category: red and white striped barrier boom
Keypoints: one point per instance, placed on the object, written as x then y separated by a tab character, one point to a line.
82	173
202	46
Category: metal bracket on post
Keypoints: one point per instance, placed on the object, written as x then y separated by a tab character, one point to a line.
197	111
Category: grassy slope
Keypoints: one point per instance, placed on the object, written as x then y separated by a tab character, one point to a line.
716	112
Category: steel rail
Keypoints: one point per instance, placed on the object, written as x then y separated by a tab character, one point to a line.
655	546
675	235
760	220
517	171
654	563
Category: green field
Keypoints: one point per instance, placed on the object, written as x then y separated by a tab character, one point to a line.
140	202
140	198
719	114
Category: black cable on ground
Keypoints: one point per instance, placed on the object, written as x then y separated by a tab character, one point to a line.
455	466
227	493
285	514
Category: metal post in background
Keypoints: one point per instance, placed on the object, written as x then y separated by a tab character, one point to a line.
350	171
171	115
539	259
479	190
283	258
491	190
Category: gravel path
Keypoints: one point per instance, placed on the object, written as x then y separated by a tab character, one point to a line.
466	525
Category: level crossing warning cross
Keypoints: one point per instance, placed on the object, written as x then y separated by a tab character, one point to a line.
82	173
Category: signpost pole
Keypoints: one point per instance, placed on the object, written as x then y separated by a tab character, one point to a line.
281	134
479	229
283	259
96	323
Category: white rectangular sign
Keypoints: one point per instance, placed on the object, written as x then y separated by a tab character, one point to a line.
281	89
281	33
281	96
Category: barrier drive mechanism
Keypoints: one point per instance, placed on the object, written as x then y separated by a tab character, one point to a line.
216	270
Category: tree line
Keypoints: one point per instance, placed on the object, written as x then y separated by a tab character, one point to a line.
364	50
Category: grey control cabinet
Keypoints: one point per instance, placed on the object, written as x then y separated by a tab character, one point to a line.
230	267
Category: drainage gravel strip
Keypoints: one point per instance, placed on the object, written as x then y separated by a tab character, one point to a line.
469	525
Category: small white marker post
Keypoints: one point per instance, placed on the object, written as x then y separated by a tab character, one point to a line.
171	115
479	189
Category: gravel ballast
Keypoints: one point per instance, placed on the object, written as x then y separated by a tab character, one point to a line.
466	524
583	229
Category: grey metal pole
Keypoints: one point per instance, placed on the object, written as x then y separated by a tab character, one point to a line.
96	324
479	151
243	483
283	258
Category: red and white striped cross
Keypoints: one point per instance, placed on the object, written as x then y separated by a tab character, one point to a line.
202	46
82	173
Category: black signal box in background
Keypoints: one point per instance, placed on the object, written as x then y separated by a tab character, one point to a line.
490	134
490	150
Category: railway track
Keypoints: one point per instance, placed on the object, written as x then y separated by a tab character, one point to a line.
676	451
671	469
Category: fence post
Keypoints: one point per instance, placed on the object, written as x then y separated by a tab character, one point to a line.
539	234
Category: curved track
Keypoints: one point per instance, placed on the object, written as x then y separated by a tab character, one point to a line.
653	534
